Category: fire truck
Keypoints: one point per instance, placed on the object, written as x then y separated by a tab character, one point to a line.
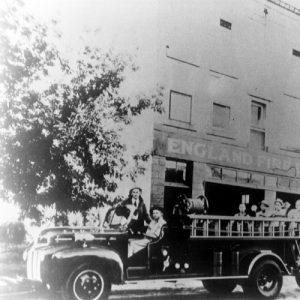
222	251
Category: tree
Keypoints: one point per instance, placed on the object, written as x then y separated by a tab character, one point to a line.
61	121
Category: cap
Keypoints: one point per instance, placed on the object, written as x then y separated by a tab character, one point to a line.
279	201
156	207
135	188
265	202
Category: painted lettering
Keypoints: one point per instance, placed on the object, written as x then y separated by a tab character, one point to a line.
174	146
286	165
187	147
297	169
247	159
214	152
224	155
268	163
237	157
211	153
199	150
276	164
261	161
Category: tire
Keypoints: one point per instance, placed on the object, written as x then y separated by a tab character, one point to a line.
87	282
265	281
220	286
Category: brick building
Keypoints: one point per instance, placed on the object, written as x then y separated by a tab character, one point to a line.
231	71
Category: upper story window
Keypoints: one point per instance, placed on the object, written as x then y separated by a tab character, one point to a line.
180	107
258	115
221	116
258	129
225	24
296	52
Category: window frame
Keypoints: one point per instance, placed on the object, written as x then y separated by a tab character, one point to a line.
296	53
227	128
170	106
261	126
225	24
188	173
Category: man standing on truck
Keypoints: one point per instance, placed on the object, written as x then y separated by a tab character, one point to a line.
138	212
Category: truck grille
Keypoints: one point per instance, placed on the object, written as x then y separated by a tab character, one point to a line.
34	265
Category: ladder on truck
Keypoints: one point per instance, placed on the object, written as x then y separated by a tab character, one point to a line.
256	227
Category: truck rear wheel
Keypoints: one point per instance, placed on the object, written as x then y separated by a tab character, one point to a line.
220	286
265	280
87	283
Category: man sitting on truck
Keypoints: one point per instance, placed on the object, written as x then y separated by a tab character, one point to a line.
153	232
279	211
265	209
294	214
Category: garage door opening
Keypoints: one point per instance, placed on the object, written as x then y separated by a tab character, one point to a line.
225	199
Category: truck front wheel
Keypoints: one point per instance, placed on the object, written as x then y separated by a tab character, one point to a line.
265	280
220	286
87	282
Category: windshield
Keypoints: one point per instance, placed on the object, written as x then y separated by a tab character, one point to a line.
116	217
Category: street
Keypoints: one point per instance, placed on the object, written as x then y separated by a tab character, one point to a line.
150	290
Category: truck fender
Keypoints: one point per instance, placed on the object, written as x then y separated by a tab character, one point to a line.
265	254
111	257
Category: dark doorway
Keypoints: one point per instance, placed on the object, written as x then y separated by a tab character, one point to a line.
225	199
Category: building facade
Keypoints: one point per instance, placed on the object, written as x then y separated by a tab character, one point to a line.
231	72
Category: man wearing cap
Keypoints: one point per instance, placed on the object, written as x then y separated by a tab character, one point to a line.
265	209
153	231
279	211
138	212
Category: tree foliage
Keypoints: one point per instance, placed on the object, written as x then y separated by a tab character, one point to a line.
61	121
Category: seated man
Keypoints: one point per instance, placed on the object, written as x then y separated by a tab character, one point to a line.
279	211
153	232
265	209
294	214
239	227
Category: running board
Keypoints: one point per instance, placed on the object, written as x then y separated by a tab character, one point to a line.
170	279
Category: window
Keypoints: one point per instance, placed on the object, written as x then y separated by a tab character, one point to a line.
225	24
178	181
178	171
296	52
180	107
257	131
258	115
257	139
221	116
175	171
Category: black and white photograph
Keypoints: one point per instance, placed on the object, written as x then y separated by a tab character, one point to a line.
149	149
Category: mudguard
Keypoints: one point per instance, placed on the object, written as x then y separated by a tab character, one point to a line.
103	255
267	254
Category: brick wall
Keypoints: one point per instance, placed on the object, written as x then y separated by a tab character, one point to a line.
157	180
198	178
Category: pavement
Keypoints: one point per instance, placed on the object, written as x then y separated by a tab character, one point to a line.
187	289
